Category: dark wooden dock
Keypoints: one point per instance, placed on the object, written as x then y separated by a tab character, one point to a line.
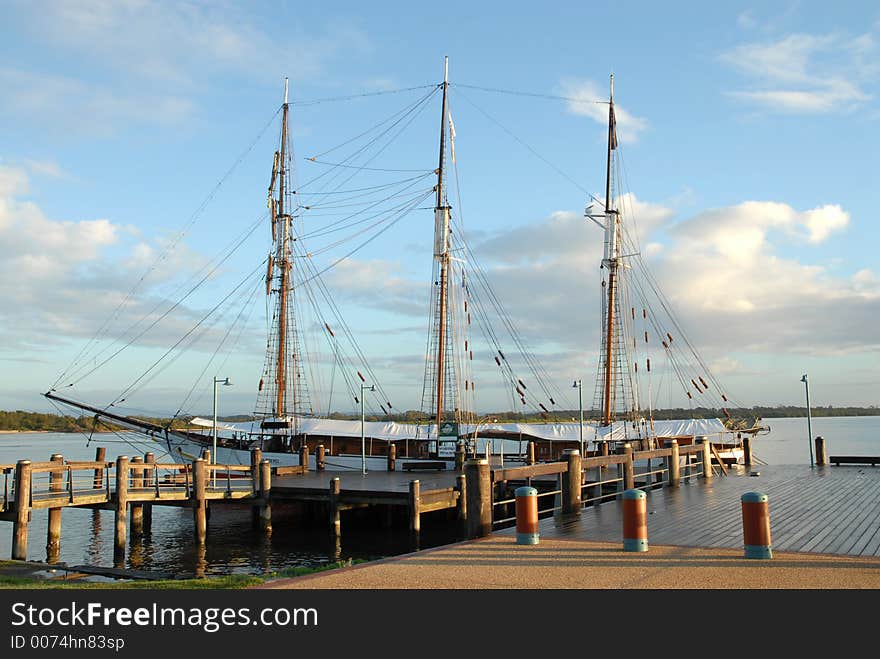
693	500
822	509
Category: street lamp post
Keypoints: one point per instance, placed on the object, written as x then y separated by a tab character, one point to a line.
483	421
809	423
577	385
364	387
226	383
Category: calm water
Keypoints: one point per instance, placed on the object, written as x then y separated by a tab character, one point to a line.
788	442
233	547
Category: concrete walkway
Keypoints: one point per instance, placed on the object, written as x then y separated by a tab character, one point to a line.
498	562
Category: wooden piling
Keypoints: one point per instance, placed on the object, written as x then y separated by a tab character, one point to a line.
121	509
461	504
603	451
628	471
821	457
530	453
304	455
199	500
319	458
706	458
100	456
53	531
136	510
747	451
151	481
335	519
674	464
460	457
479	497
392	456
415	524
571	483
22	508
256	459
265	491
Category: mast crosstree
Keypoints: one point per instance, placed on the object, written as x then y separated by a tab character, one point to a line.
282	391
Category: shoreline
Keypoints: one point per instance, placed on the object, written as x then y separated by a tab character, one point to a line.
56	432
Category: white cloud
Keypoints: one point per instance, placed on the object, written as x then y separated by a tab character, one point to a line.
378	284
746	21
591	101
70	104
61	279
805	73
149	61
13	182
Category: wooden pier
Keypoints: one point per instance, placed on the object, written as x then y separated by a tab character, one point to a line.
478	495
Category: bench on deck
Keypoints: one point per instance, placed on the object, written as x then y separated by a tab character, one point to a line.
423	464
854	460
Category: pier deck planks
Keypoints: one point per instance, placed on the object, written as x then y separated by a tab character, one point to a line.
820	510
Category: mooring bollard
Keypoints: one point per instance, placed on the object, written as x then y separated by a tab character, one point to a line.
756	525
635	521
821	458
526	515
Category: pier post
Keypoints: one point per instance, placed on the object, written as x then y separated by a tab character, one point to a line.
756	525
479	497
526	515
571	482
137	509
603	451
635	520
392	456
415	523
319	458
22	508
706	458
461	504
821	458
53	531
265	490
335	520
256	459
674	464
628	471
150	481
304	455
460	457
530	455
121	509
747	450
100	456
199	500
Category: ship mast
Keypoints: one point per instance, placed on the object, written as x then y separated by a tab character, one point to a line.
283	261
441	254
610	261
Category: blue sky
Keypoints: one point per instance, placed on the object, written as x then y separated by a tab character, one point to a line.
749	140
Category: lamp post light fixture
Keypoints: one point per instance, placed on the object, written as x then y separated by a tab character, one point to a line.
578	385
364	387
481	422
226	383
809	424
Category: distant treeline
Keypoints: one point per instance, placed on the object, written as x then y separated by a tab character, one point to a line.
38	421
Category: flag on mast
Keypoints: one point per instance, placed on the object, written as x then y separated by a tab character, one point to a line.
613	129
451	136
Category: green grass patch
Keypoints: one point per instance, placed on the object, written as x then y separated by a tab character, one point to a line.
13	576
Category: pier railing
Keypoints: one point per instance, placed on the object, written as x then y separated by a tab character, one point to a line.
567	485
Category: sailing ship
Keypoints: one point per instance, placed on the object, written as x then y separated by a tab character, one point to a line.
285	421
